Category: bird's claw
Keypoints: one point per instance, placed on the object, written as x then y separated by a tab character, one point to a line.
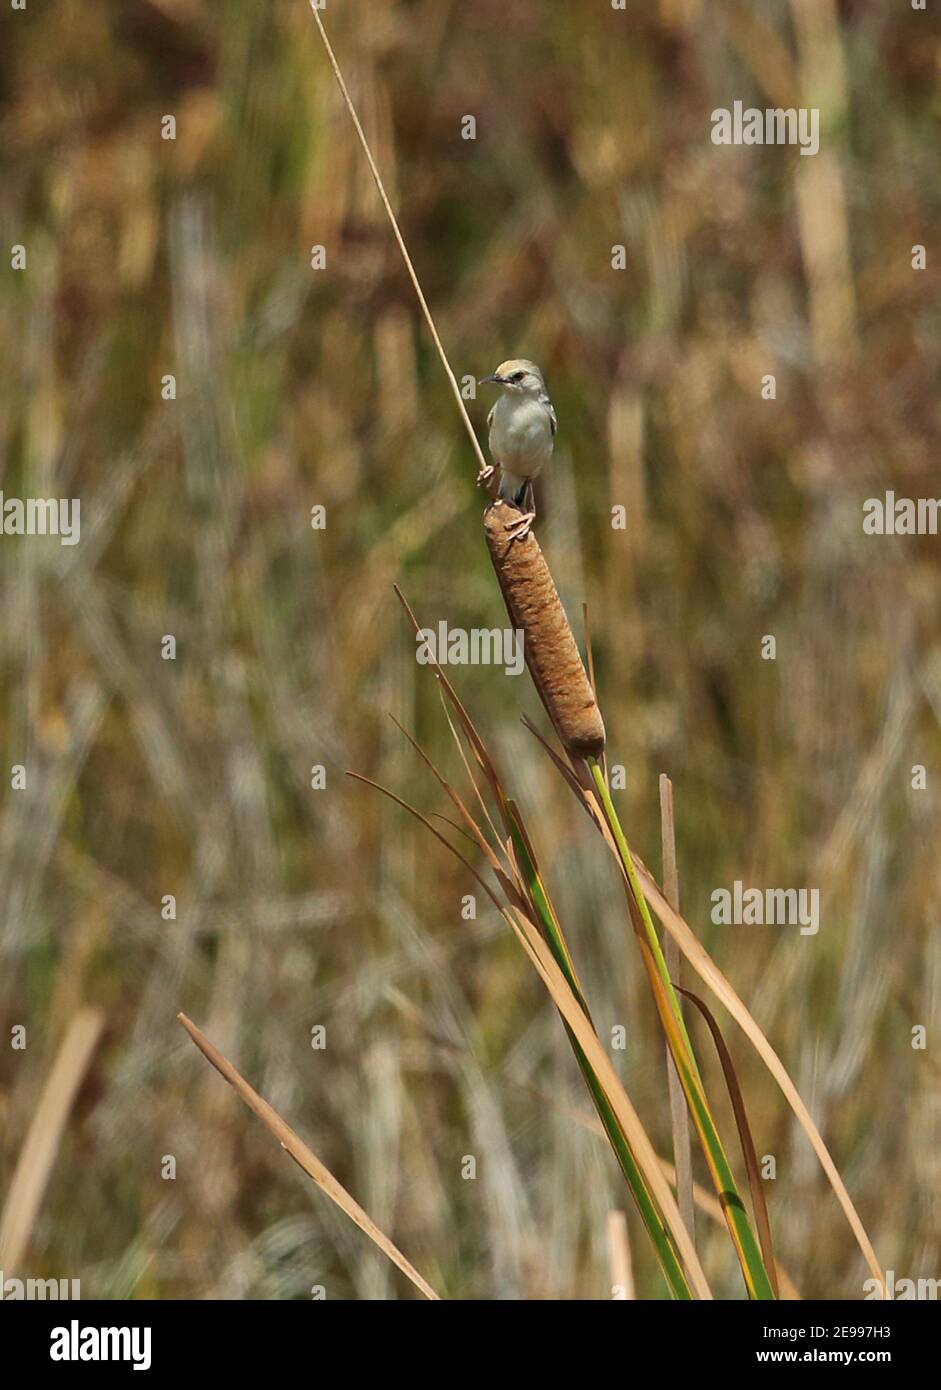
519	529
485	474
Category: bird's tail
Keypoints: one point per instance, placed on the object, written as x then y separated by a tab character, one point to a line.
511	486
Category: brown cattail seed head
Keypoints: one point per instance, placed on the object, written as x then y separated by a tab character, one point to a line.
551	653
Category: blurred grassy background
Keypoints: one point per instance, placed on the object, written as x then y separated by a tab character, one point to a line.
298	387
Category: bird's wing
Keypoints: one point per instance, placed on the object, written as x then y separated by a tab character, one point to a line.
553	422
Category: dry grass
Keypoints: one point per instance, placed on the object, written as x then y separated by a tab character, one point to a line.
304	1157
41	1145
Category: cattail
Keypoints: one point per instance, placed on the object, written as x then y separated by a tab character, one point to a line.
551	653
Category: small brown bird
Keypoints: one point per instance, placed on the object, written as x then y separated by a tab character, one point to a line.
522	435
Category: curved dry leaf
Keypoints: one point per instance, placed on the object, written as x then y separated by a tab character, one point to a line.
709	972
305	1157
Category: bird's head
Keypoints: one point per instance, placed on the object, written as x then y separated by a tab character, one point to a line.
519	376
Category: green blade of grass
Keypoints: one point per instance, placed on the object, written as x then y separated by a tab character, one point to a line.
614	1107
759	1206
649	930
539	915
563	997
712	976
653	1220
757	1281
707	970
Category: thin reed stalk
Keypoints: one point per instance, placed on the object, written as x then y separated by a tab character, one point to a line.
400	242
682	1153
41	1146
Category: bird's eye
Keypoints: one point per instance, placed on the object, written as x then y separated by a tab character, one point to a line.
517	376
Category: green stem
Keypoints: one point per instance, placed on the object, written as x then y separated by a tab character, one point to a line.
653	940
650	1213
754	1273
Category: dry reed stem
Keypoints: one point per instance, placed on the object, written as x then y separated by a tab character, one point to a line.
549	646
682	1153
645	1156
305	1157
38	1153
400	242
572	1010
710	974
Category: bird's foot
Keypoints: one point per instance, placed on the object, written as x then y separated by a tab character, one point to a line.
485	474
520	528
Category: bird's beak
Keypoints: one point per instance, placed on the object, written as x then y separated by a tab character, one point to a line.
495	377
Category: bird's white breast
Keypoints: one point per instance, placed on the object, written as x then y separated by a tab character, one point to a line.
521	435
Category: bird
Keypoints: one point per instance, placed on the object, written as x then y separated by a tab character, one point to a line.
522	435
